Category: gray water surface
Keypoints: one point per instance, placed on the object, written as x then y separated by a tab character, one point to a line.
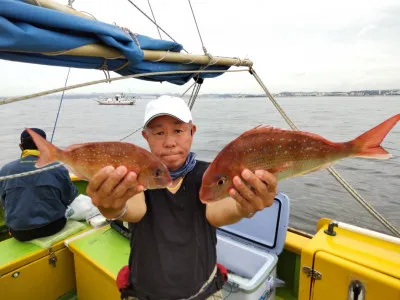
219	120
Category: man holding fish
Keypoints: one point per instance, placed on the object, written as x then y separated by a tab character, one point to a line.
174	202
173	245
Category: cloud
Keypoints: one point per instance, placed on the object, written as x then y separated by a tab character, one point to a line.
295	45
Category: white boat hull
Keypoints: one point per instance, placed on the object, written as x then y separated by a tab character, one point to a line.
105	102
118	99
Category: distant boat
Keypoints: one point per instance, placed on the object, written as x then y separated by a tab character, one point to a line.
118	99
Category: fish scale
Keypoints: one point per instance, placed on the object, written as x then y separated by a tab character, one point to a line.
304	158
86	159
286	153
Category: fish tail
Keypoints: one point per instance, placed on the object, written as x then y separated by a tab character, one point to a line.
48	152
368	144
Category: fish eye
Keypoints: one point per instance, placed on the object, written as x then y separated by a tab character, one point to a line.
221	180
157	173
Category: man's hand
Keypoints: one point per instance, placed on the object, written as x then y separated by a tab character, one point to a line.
260	195
111	188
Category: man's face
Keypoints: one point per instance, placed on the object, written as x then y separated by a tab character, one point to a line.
170	140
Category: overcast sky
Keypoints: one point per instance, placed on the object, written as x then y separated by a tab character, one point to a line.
295	45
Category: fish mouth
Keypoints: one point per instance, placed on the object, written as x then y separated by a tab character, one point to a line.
206	201
163	182
205	197
152	183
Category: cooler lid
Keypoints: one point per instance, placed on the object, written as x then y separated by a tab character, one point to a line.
266	229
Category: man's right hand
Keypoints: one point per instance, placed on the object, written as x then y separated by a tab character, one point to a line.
111	188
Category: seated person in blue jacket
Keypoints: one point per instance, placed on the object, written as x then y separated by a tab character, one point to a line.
35	204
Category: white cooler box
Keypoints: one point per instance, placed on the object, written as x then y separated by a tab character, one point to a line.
249	249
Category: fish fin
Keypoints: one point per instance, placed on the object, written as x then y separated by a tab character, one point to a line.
74	146
324	166
261	128
48	152
77	174
269	129
278	169
282	176
368	144
258	129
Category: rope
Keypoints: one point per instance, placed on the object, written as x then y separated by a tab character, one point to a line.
192	94
194	97
154	22
59	107
188	89
75	86
131	134
159	33
331	170
30	172
198	31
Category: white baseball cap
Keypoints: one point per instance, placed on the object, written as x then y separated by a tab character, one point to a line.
167	105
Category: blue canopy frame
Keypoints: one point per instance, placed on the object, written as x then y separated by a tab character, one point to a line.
27	30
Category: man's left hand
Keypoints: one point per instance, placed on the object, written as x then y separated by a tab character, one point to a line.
253	192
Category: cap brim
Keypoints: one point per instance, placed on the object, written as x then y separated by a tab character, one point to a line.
163	114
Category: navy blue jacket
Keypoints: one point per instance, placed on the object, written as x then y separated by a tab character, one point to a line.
35	200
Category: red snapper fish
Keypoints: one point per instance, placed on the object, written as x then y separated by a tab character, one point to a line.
84	160
286	153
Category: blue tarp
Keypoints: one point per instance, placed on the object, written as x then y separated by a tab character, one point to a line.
27	30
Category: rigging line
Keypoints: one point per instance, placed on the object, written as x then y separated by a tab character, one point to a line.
131	133
30	172
155	23
191	95
333	172
198	31
59	107
363	202
188	89
195	95
194	75
75	86
159	33
198	74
